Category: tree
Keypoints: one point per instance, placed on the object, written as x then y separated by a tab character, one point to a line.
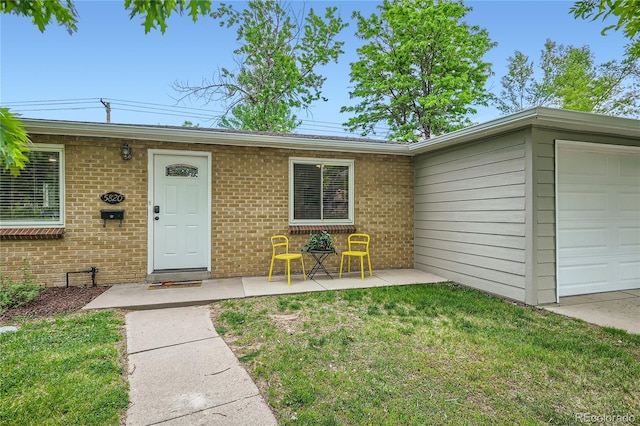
626	12
420	71
277	64
518	91
43	11
570	79
156	13
14	142
13	135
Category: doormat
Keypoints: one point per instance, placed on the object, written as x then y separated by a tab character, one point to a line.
174	284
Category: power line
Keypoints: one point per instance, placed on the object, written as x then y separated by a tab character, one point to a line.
192	113
57	109
52	101
161	113
163	106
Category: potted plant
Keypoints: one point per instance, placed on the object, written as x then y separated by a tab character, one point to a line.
320	242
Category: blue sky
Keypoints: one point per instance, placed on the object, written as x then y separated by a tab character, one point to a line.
111	57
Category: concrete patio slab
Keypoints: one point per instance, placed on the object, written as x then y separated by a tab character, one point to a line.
349	281
226	288
408	276
259	286
139	296
635	292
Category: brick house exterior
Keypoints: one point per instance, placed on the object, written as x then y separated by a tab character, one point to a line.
249	202
532	206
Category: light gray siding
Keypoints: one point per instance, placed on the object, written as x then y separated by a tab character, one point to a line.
544	219
470	214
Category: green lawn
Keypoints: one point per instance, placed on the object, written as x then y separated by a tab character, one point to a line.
64	371
429	354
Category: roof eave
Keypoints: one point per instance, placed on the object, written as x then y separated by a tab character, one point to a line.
187	136
539	117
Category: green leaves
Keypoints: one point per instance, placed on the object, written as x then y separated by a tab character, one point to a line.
156	12
420	71
321	241
571	79
16	294
43	11
625	11
14	142
277	62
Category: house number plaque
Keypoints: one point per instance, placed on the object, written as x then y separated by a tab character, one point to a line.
112	198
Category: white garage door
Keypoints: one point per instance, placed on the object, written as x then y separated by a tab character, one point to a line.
598	214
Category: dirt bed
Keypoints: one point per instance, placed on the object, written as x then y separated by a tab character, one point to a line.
55	300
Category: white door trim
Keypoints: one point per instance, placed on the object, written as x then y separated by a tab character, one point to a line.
151	153
584	146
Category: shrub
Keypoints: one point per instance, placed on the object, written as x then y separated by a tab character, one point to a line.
14	295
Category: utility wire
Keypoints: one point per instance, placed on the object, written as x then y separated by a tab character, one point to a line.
190	113
55	109
55	101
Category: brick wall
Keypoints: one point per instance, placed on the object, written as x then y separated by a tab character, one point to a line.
249	204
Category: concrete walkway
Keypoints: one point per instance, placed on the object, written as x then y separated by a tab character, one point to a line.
182	373
180	370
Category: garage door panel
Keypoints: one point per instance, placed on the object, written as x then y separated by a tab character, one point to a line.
585	272
598	229
630	273
629	203
629	238
629	167
581	165
578	203
584	239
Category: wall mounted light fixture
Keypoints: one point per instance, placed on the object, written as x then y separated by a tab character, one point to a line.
125	152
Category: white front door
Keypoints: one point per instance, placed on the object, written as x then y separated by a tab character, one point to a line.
598	214
180	211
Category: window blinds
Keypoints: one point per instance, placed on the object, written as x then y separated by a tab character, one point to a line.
321	191
34	196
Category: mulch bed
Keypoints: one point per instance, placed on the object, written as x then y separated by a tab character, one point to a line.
55	300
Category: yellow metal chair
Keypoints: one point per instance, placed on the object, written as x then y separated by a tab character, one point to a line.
280	243
361	242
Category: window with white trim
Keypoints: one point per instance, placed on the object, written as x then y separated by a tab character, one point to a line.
320	191
34	198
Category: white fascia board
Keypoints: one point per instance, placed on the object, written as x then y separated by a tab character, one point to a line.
472	133
538	117
588	122
210	137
